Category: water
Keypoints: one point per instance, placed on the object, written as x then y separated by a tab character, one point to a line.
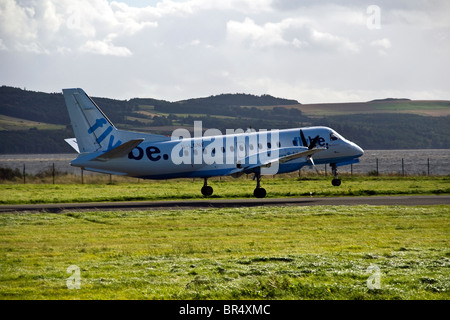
415	162
35	163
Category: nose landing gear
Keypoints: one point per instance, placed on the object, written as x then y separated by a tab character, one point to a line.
336	181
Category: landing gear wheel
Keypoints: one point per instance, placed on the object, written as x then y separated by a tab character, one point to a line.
336	182
207	191
259	192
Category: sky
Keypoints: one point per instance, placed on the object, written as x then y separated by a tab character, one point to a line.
310	51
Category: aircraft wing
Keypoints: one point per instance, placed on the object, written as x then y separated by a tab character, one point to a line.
283	159
301	154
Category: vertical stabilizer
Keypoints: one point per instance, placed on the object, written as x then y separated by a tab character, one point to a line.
93	130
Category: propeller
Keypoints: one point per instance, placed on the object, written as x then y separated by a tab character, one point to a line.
305	142
314	142
311	146
313	164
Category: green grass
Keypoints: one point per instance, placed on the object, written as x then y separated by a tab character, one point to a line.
225	188
245	253
11	124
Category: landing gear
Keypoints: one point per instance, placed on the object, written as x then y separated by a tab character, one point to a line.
259	192
206	190
336	181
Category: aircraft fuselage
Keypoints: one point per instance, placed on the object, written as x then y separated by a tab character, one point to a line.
220	155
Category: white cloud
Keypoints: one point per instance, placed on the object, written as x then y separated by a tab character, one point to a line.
273	34
46	26
2	46
105	47
16	21
382	43
269	34
333	42
178	49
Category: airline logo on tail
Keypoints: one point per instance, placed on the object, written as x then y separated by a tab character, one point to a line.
99	124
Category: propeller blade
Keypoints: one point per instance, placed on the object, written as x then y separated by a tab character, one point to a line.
302	136
313	164
314	142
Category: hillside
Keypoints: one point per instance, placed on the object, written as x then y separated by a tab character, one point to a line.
436	108
37	122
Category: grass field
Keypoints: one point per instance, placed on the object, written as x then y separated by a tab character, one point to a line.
427	108
11	124
327	252
247	253
132	190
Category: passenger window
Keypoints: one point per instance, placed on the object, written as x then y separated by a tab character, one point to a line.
294	142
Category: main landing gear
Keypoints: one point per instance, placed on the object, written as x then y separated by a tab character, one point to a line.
336	181
206	190
259	192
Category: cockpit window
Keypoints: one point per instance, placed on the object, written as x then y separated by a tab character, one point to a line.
334	136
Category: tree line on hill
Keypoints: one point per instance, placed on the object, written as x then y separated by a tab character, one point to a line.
226	111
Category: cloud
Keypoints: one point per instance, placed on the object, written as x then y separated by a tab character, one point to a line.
333	42
2	46
105	48
274	34
46	26
382	43
177	49
269	34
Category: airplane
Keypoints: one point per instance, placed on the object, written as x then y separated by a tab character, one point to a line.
104	148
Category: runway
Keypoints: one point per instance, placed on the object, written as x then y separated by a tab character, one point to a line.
233	203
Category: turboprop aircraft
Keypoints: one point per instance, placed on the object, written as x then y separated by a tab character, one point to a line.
105	149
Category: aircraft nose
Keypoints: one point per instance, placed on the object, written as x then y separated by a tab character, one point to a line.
357	150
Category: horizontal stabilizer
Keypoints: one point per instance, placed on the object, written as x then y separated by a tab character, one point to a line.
73	143
120	151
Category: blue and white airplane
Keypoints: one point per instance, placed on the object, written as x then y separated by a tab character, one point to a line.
105	149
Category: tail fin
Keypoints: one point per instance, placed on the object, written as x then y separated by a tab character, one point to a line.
93	130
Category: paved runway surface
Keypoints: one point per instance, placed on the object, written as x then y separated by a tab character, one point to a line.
235	203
